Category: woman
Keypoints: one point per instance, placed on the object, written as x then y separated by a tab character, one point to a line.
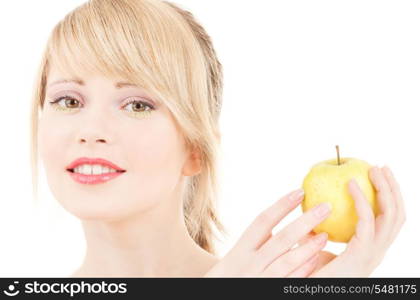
125	119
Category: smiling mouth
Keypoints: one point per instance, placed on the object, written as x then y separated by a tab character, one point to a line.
118	171
92	178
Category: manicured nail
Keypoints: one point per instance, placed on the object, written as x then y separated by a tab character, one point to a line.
322	209
354	181
321	238
297	196
388	169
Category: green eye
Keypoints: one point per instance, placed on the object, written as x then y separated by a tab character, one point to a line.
69	104
139	108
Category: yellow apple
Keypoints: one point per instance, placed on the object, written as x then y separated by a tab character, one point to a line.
327	181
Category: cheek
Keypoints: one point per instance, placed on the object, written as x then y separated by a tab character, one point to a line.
152	152
156	152
51	142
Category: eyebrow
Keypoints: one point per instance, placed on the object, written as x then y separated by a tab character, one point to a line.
118	85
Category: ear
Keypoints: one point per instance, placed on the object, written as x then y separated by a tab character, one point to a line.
192	165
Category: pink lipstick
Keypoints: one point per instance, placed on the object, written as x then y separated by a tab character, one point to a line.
93	170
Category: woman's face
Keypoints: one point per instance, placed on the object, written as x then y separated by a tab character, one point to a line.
96	120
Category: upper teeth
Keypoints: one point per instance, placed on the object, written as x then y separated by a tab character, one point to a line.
93	169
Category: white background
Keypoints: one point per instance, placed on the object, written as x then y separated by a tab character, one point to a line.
300	77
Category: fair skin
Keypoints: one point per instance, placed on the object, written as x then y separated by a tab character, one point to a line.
132	221
134	224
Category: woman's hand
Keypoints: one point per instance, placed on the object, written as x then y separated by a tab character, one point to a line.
258	253
373	235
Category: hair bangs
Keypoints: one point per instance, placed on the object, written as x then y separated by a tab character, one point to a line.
116	42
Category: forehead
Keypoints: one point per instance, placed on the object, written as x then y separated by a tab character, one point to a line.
56	77
55	73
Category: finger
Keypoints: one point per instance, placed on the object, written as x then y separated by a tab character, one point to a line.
307	268
260	229
290	235
306	238
383	191
399	203
294	258
365	230
386	220
325	257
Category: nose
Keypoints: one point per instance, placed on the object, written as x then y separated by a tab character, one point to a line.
97	140
95	129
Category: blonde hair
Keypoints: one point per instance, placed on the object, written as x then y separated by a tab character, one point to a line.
162	48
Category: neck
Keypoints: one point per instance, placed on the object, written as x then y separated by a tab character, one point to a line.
154	243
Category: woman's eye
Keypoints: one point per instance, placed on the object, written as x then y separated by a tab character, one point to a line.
69	103
139	108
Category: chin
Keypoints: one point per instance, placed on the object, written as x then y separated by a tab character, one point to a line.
96	208
93	211
101	202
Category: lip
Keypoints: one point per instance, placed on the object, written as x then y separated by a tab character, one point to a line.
93	179
93	161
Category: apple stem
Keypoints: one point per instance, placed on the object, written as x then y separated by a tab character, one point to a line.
338	154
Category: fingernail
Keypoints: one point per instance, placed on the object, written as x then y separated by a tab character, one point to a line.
320	238
297	196
322	209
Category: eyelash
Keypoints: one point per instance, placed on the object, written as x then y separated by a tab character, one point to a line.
55	104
